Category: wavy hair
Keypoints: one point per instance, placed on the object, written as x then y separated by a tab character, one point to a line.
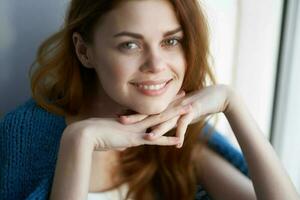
59	82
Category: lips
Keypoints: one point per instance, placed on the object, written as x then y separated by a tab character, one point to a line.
151	87
151	82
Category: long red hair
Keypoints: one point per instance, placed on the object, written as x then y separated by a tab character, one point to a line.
59	82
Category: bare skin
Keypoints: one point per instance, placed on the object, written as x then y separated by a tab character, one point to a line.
104	165
104	171
155	57
266	171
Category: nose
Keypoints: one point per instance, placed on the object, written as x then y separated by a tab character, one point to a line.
154	63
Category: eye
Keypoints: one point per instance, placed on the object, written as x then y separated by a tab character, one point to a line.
129	45
172	41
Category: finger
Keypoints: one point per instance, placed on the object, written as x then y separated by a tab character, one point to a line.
137	139
164	116
163	141
130	119
121	149
179	95
182	125
177	99
190	98
162	129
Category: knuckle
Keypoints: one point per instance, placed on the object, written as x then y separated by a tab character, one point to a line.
184	102
162	130
160	116
181	121
156	119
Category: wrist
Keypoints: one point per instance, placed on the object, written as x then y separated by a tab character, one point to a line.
77	137
231	101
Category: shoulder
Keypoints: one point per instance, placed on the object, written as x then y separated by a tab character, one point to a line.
29	142
29	128
29	118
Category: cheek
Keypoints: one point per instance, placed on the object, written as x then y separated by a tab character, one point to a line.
112	69
114	77
178	62
114	81
180	69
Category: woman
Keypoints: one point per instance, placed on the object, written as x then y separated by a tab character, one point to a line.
125	89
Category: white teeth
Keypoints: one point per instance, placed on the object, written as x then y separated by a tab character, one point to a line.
152	87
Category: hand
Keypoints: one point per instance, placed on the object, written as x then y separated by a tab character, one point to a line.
109	133
209	100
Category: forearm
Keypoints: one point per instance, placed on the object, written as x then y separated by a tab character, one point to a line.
72	174
269	177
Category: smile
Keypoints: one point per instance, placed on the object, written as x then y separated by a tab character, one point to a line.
152	88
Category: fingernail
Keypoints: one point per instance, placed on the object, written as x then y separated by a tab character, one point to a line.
123	118
178	145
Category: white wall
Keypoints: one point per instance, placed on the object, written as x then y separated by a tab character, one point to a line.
256	64
222	17
23	25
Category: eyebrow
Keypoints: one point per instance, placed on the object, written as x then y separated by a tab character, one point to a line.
139	36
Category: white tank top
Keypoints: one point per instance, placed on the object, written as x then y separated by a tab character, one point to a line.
114	194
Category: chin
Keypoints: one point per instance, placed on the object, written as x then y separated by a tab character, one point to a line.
150	110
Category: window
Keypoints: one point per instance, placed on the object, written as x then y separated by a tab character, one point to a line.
245	42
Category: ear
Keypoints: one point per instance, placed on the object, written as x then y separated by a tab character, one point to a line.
82	50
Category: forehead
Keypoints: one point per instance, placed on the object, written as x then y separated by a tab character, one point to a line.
141	16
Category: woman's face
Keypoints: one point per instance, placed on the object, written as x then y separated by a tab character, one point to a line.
138	56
